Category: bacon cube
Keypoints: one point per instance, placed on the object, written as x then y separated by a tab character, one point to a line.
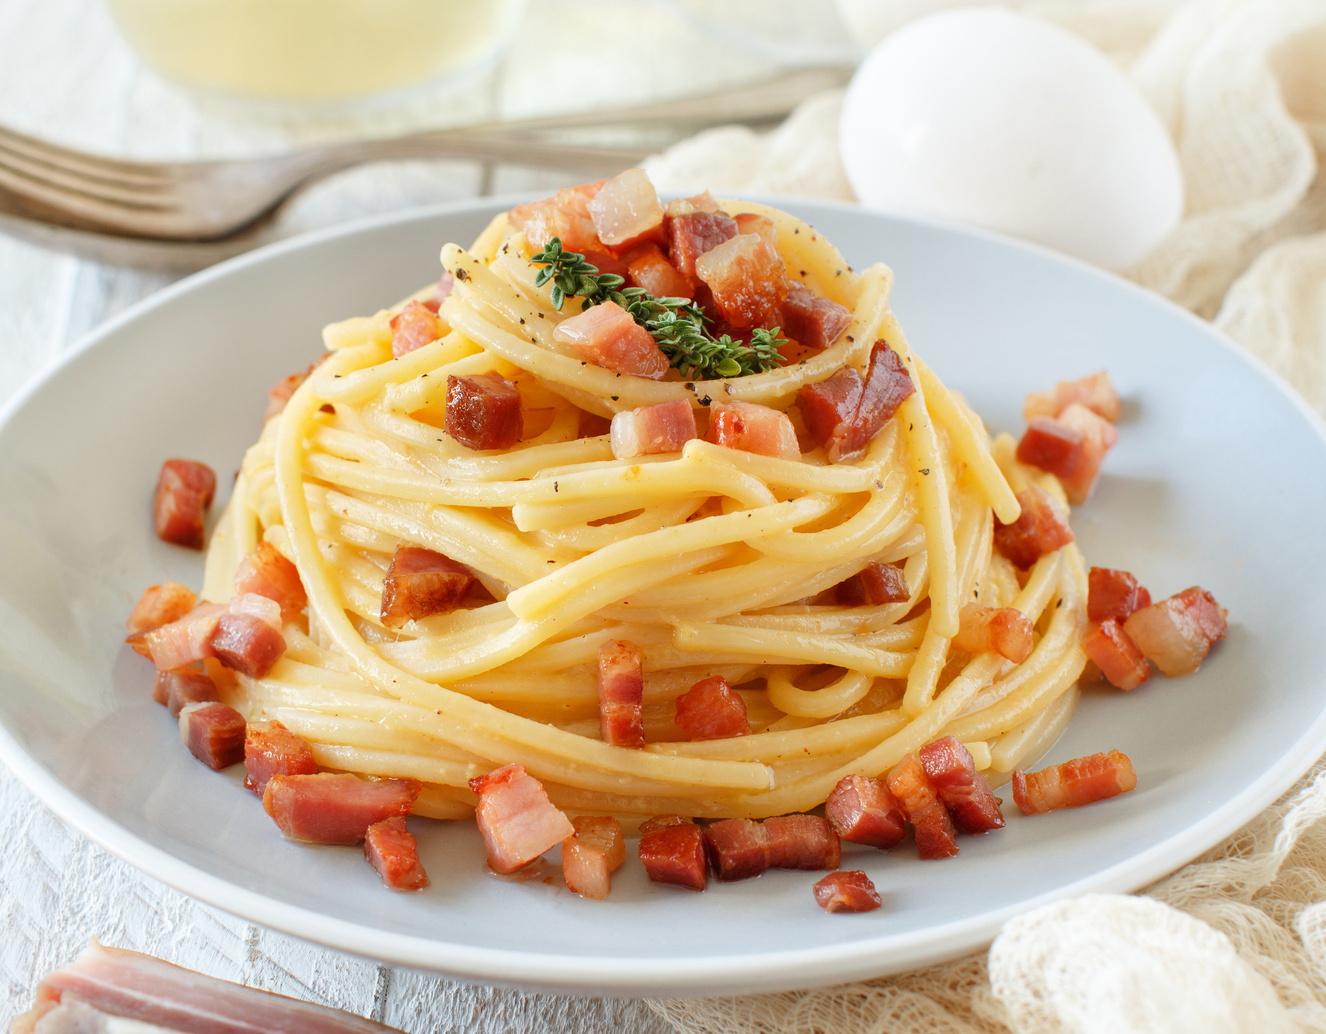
1114	594
592	854
1041	528
801	842
335	807
844	412
246	644
483	411
184	492
607	336
182	686
413	327
651	270
266	572
712	710
873	585
1074	783
694	233
420	582
1005	630
182	642
565	215
649	430
753	428
663	822
813	321
748	280
1177	633
270	749
1098	435
517	820
621	686
675	854
760	225
1053	446
965	792
936	836
864	811
739	848
214	733
1095	392
160	605
850	891
392	850
1115	654
626	210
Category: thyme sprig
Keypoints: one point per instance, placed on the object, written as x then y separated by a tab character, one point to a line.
676	324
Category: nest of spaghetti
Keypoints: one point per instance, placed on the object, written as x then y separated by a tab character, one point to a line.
827	567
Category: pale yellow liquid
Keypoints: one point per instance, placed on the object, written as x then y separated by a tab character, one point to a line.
312	49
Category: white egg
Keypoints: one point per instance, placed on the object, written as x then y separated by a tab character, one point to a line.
999	120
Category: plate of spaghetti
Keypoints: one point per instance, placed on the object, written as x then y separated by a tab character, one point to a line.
651	527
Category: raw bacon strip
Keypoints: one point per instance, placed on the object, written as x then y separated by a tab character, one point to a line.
864	811
753	428
181	642
693	233
621	686
1114	594
185	489
214	734
413	327
181	687
335	807
748	279
844	412
626	210
1095	392
1041	528
935	834
517	820
247	644
651	270
160	605
1098	435
565	215
420	582
392	850
965	792
739	847
139	987
592	854
849	891
607	336
1005	630
267	572
1177	633
873	585
813	321
801	842
675	854
271	749
649	430
483	411
1074	783
1113	651
711	710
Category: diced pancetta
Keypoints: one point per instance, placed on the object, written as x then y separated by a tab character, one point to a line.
712	710
874	585
420	582
264	609
267	572
592	854
739	848
271	749
936	836
413	327
392	850
1074	783
214	733
1113	651
335	807
621	687
651	270
1041	528
675	854
748	280
483	411
517	820
801	842
184	492
693	233
849	891
760	225
626	210
663	822
607	336
181	642
441	291
1177	633
1098	435
813	321
753	428
844	412
1114	594
182	686
649	430
701	202
863	810
1005	630
247	644
565	215
160	605
965	792
1052	445
1095	392
280	393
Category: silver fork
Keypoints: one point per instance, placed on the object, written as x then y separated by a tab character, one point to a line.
215	201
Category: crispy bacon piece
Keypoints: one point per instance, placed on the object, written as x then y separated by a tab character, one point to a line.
694	233
621	687
843	413
181	642
185	489
1177	633
607	336
864	811
675	854
760	225
413	327
1098	435
271	749
392	850
739	848
246	643
160	605
214	733
483	411
801	842
592	854
181	687
1095	392
965	792
1074	783
1114	594
564	215
1005	630
1041	528
651	270
932	825
849	891
420	582
1115	654
748	280
712	710
626	210
753	428
813	321
266	572
873	585
335	807
517	820
662	427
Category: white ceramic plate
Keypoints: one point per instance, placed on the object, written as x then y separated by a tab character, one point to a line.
1219	478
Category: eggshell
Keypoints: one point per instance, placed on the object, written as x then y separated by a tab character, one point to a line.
999	120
